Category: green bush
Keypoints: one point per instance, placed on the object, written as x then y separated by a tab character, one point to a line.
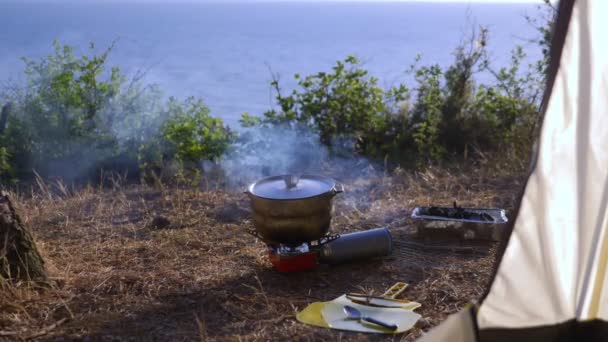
5	166
452	114
75	116
188	136
193	135
56	114
510	106
427	112
344	103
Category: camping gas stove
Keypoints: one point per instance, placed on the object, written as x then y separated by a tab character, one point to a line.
331	249
288	258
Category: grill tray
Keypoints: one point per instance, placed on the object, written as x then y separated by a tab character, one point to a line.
476	215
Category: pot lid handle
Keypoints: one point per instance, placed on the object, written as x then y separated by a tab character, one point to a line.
291	181
338	188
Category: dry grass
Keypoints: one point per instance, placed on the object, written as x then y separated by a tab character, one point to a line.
204	278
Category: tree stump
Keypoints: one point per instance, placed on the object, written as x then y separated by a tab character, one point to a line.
19	257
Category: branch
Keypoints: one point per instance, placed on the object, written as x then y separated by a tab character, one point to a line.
6	110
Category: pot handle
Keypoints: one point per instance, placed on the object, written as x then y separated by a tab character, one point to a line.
338	188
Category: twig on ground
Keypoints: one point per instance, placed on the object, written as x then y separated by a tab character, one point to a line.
47	329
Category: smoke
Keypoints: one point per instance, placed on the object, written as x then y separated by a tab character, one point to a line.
136	114
79	150
265	151
268	151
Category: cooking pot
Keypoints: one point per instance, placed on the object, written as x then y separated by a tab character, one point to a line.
292	209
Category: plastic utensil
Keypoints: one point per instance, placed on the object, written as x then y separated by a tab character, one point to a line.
353	313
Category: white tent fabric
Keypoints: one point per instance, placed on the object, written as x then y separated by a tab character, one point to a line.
554	267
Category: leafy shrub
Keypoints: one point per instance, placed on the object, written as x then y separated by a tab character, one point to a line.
56	117
453	114
5	166
509	108
188	136
544	25
193	135
426	115
75	116
345	103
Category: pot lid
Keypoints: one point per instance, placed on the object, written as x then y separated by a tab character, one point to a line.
291	187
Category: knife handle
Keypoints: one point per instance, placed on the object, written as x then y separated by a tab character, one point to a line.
380	323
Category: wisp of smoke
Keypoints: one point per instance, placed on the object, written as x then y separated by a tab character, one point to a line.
265	151
269	151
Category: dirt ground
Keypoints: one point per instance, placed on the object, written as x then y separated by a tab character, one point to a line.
202	277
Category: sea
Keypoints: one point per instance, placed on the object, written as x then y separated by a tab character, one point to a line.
227	52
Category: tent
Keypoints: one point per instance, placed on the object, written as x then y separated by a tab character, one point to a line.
551	283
